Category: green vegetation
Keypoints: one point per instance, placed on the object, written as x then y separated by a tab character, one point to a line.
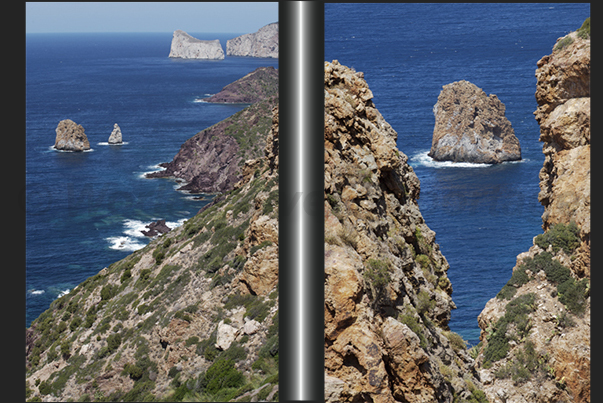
414	325
456	340
376	277
517	314
560	236
563	43
526	364
584	30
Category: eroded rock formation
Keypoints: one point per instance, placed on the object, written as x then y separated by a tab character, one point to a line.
115	137
263	43
185	46
471	126
387	295
535	339
71	137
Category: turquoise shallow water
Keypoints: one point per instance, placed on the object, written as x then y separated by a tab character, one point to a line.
484	216
85	210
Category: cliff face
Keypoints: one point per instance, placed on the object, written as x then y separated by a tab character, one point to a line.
211	161
387	296
535	341
193	315
263	43
185	46
471	126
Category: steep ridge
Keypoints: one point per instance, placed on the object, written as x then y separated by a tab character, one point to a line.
211	160
193	315
387	295
263	43
535	339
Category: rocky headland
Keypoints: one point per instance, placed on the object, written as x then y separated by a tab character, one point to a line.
263	43
471	126
535	339
387	295
211	161
185	46
71	137
193	316
115	137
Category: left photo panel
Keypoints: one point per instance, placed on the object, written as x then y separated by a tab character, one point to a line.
152	189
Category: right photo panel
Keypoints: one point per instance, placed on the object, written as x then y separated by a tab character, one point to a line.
457	202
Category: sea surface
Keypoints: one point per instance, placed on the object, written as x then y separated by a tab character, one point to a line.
483	216
85	210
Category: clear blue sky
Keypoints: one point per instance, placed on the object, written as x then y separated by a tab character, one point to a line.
148	17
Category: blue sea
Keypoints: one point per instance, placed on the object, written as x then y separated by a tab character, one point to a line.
85	211
483	216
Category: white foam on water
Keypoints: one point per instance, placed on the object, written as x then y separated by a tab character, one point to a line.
36	292
133	228
175	224
104	143
153	168
52	148
124	243
200	101
423	159
64	292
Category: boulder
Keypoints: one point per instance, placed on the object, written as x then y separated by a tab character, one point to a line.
115	137
226	335
71	137
471	126
185	46
156	227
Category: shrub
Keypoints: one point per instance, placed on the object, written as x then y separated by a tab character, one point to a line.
560	236
145	274
424	302
414	325
584	31
555	271
45	388
114	341
572	293
220	375
107	292
563	43
258	247
456	340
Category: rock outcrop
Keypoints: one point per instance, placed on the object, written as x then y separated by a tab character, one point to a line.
173	321
185	46
263	43
471	126
115	137
71	137
535	339
155	228
210	161
387	295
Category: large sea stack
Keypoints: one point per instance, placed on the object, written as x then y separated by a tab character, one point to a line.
185	46
263	43
535	338
71	137
471	126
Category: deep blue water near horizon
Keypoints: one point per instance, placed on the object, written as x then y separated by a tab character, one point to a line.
85	211
483	216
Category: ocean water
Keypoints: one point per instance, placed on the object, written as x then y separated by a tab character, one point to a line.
85	211
483	216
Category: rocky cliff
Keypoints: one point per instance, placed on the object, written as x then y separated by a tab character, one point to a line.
70	137
535	340
185	46
471	126
192	316
263	43
211	161
387	295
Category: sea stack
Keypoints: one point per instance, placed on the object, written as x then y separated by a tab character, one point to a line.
471	126
71	137
185	46
115	137
263	43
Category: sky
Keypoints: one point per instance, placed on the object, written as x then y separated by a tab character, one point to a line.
222	17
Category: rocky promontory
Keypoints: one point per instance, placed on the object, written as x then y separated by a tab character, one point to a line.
211	161
471	126
535	334
71	137
115	137
263	43
185	46
260	84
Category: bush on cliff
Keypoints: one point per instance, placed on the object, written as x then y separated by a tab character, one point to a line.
560	236
584	31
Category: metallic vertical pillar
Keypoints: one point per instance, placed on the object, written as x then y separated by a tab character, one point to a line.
301	188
